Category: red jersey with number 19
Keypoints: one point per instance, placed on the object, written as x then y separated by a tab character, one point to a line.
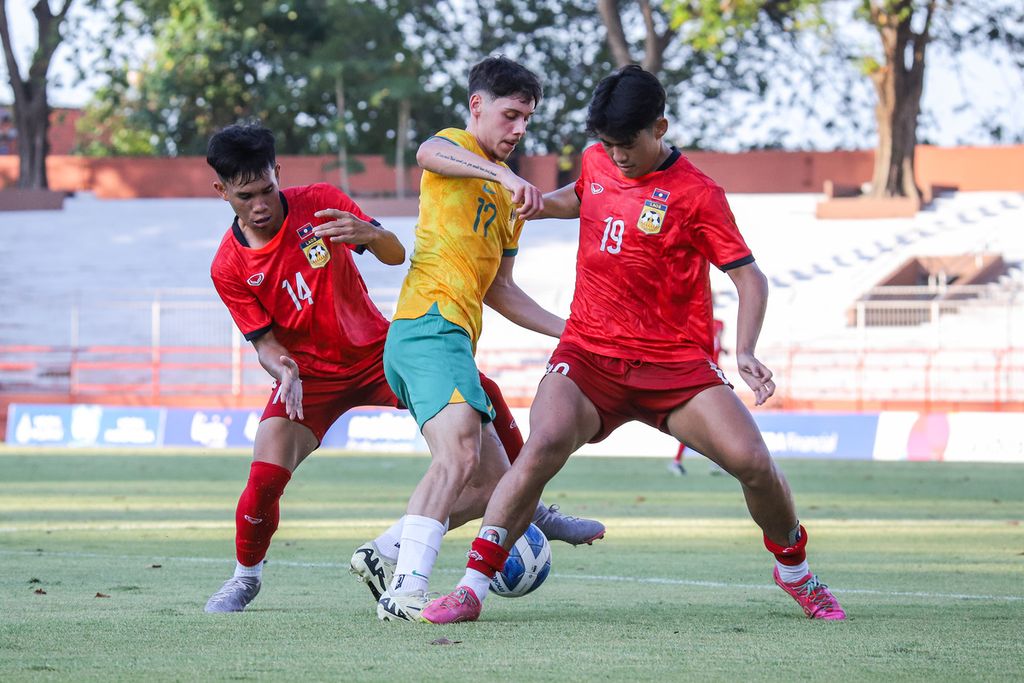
306	289
642	285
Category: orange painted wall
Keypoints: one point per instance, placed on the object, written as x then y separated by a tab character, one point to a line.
965	168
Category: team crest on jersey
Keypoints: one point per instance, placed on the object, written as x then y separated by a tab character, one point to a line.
313	247
652	217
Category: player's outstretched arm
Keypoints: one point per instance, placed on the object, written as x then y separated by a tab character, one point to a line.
752	289
507	298
447	159
349	228
276	360
561	203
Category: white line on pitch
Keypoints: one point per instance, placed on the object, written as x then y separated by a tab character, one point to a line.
580	577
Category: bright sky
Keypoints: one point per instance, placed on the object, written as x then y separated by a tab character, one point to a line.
963	97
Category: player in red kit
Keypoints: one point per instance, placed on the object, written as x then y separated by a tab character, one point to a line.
286	273
639	339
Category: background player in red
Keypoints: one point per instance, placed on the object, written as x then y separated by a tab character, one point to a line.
676	466
285	271
639	338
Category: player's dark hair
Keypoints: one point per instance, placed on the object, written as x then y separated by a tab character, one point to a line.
501	77
625	103
241	153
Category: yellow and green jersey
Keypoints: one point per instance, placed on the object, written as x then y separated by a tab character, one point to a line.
465	227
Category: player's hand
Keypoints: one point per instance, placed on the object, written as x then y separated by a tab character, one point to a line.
289	389
345	227
528	200
757	376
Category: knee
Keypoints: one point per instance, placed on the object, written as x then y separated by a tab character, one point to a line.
541	461
756	469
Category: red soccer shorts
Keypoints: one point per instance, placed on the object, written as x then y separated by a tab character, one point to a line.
625	390
325	400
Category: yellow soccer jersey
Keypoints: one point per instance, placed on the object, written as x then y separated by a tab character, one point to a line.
465	227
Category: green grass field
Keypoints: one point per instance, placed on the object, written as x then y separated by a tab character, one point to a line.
928	560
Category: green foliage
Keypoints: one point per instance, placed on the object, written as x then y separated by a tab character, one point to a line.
216	62
562	41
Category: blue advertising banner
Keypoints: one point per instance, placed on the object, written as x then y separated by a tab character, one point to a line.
38	425
83	425
845	436
376	429
211	428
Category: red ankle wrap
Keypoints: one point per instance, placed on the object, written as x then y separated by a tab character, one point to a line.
486	557
791	555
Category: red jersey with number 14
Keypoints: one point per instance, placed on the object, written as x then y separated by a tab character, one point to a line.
642	285
307	290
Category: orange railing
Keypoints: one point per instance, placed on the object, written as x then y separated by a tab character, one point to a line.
856	379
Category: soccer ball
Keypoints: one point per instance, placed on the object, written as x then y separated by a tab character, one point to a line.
528	564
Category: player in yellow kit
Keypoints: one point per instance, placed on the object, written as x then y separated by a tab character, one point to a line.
472	209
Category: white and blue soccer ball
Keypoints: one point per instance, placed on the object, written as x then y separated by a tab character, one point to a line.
528	564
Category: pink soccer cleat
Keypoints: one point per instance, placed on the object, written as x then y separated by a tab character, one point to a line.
459	605
813	596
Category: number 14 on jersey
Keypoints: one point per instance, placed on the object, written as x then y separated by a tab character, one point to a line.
300	293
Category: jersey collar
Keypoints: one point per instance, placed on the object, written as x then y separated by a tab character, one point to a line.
671	159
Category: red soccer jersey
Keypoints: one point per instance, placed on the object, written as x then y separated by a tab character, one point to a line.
642	285
307	290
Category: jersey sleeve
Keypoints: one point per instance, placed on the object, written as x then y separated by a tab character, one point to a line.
456	136
716	235
512	248
584	169
252	320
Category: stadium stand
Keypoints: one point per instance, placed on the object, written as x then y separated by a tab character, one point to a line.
129	313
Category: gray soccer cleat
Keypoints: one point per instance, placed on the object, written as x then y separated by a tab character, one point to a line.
234	595
372	568
565	528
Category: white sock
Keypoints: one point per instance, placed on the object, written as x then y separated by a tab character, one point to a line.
389	542
792	574
421	541
476	582
242	570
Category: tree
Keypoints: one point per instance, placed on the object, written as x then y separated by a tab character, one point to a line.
327	76
560	40
896	67
658	34
31	106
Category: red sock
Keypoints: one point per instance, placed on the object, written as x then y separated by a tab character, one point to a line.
258	511
504	423
486	557
791	555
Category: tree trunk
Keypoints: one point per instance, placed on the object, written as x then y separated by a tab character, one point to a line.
339	101
31	108
655	44
899	83
401	138
32	122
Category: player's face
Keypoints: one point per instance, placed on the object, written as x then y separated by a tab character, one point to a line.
499	123
256	203
640	155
